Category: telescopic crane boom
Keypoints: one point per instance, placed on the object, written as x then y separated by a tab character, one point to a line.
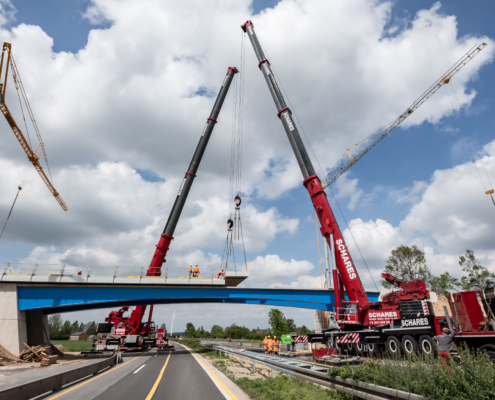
329	227
134	321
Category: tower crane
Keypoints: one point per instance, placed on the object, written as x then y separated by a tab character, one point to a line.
33	156
443	80
133	324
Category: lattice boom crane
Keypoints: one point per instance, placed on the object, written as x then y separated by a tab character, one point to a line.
32	156
444	79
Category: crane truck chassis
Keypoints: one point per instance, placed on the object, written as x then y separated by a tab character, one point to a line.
403	320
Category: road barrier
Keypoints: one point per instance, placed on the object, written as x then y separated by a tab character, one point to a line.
317	374
57	381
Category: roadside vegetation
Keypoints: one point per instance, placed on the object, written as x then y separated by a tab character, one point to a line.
471	379
75	345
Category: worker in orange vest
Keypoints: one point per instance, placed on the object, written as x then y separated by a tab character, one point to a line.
220	273
265	344
270	343
196	271
190	270
180	339
275	346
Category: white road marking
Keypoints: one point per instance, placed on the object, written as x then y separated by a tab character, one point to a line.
141	367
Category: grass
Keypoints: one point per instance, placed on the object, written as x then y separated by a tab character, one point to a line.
472	379
285	388
75	345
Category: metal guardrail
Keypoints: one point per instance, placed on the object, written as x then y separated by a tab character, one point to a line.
317	374
57	381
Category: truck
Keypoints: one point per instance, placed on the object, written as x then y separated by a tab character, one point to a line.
134	332
402	322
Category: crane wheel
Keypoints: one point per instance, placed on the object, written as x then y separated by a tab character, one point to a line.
394	346
409	345
427	345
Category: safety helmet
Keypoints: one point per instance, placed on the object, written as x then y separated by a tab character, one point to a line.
445	329
274	337
266	337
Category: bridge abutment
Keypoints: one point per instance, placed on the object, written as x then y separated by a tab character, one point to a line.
18	327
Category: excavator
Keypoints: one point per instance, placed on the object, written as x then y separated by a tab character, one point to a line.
133	332
403	321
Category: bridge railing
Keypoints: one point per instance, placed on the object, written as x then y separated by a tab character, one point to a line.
105	271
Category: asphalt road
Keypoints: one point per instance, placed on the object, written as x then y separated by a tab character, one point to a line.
167	375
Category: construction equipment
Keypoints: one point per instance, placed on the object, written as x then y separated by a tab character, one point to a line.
33	156
132	325
443	80
359	322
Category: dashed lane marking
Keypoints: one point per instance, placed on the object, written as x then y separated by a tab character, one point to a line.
96	377
140	368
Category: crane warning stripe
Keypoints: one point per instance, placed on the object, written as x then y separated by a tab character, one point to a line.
301	339
349	338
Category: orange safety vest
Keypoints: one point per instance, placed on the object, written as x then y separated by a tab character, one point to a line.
275	345
220	273
196	271
180	338
270	342
265	343
190	268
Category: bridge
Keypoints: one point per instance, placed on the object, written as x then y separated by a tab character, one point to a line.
26	300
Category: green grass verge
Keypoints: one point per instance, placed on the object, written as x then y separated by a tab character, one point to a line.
473	378
75	345
285	388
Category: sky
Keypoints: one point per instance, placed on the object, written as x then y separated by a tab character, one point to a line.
121	90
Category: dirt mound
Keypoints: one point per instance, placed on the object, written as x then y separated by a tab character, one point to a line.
6	356
62	348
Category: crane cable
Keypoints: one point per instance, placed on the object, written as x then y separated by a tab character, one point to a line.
490	191
319	255
234	224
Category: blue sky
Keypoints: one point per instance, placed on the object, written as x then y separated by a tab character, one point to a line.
388	172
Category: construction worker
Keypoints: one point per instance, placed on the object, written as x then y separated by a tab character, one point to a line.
270	344
275	346
220	273
180	339
190	270
446	345
196	271
79	272
265	344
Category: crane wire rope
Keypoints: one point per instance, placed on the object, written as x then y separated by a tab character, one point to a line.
318	241
353	238
234	223
467	143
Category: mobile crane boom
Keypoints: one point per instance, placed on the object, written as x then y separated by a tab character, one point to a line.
166	237
329	227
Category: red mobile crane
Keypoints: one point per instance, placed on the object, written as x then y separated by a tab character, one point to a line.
133	325
404	320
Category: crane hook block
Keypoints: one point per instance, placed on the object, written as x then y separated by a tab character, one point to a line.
237	201
230	224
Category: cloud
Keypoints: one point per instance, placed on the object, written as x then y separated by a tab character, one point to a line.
450	214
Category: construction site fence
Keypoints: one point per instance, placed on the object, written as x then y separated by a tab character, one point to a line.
98	271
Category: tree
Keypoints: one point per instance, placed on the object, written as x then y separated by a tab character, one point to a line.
478	276
291	326
466	284
82	327
91	328
74	327
54	325
237	332
444	284
216	330
162	326
407	263
278	322
303	330
190	330
66	329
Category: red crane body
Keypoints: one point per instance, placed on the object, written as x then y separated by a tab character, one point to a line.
133	324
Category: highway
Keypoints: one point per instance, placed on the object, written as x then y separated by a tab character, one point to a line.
170	375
